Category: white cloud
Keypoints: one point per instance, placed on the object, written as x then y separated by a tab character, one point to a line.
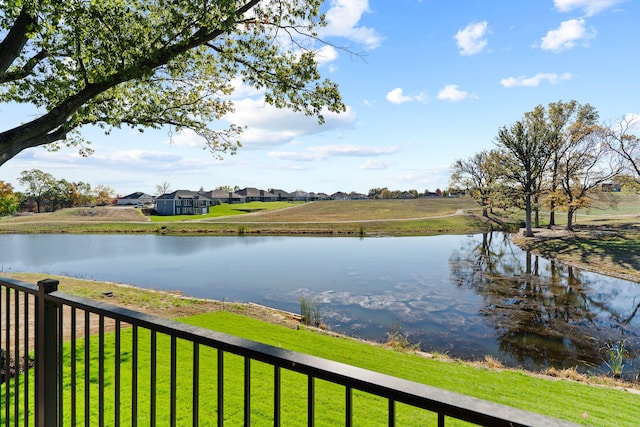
342	21
352	150
375	165
534	81
326	151
293	156
396	96
452	93
471	39
566	36
326	54
269	126
590	7
185	138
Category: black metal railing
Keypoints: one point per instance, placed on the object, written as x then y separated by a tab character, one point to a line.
96	364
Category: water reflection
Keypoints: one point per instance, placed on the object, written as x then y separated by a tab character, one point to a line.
468	296
545	313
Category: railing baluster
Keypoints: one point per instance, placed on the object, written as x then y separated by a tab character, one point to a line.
27	393
440	419
173	382
277	386
392	413
87	371
60	367
116	377
7	356
311	401
101	371
196	385
220	362
348	407
73	368
134	376
152	382
247	391
16	357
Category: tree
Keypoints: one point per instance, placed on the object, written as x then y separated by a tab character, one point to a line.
478	176
39	186
524	156
162	188
8	200
60	194
625	144
147	64
563	118
104	195
80	194
585	165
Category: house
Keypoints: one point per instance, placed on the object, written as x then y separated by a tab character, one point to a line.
182	202
255	195
406	195
609	187
358	196
137	198
300	196
281	195
340	196
319	196
222	196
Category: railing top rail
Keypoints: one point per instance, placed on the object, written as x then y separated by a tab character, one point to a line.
416	394
19	285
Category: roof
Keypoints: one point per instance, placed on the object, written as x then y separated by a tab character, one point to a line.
136	195
182	194
221	194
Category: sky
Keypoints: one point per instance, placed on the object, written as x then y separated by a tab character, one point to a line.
425	82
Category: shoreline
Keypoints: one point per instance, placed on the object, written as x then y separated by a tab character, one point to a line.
171	305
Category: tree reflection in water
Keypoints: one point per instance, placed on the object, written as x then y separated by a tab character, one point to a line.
546	313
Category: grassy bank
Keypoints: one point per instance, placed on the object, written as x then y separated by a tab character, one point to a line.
356	218
566	399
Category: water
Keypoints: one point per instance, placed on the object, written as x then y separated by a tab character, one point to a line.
467	296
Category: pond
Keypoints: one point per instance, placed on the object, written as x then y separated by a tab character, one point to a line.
466	296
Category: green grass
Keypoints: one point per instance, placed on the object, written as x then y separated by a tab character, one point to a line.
355	218
226	209
557	398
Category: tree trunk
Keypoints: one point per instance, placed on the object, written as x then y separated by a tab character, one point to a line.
527	217
570	219
552	215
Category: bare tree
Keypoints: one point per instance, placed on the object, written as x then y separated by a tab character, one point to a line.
162	188
585	165
622	141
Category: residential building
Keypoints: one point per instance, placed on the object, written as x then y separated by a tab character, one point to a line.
137	198
183	202
255	195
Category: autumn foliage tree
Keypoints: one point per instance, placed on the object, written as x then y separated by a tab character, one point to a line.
148	64
8	200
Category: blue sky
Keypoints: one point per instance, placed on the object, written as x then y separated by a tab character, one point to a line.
432	82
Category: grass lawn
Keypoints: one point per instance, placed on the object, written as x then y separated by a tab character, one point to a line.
226	209
557	398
